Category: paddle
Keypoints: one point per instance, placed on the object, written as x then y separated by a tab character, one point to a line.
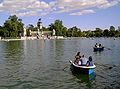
66	65
107	48
106	65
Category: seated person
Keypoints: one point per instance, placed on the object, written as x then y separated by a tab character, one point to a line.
80	62
77	58
96	45
83	60
89	62
100	45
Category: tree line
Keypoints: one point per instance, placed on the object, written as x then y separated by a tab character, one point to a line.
13	27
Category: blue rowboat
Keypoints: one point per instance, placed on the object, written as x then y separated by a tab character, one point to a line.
82	69
98	49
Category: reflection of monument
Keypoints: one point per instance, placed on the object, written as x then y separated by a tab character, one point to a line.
39	25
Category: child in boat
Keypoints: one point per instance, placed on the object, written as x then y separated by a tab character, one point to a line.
89	62
83	60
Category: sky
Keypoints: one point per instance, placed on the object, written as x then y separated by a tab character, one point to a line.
85	14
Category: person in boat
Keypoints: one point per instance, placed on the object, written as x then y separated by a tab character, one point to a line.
89	62
100	45
77	58
97	45
83	60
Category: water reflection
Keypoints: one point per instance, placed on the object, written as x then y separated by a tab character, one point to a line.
39	64
85	80
84	77
12	62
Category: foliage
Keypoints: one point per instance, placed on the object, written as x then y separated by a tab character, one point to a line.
13	27
74	32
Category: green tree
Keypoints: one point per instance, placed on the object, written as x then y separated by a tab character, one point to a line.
64	31
74	32
89	33
106	33
98	32
58	27
31	27
112	31
51	27
14	26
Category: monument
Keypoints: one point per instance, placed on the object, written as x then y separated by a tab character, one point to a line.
39	25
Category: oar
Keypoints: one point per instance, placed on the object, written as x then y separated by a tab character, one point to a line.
107	48
106	65
67	65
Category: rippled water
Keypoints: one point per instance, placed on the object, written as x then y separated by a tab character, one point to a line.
44	64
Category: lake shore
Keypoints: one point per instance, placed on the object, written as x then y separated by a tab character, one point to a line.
34	38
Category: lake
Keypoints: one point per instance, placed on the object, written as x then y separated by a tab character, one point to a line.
44	64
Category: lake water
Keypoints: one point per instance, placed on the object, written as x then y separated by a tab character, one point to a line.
44	64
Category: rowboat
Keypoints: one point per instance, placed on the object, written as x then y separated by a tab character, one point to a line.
82	69
98	49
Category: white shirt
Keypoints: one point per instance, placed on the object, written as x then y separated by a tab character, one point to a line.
84	60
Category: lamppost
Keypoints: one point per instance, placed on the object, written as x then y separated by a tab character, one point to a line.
39	25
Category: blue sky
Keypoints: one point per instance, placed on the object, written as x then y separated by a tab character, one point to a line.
85	14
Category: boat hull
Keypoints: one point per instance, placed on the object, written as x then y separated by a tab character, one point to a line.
98	49
82	69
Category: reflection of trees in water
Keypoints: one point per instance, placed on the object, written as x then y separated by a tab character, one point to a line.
59	47
13	48
12	60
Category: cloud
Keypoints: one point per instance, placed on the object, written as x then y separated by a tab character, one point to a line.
40	7
109	4
25	7
83	12
72	5
27	13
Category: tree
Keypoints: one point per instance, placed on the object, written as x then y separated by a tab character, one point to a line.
89	33
74	32
106	33
58	27
118	28
3	32
112	31
51	27
30	27
14	26
98	32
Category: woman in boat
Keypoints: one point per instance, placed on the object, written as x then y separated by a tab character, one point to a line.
77	58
